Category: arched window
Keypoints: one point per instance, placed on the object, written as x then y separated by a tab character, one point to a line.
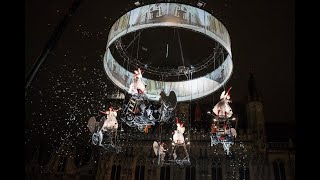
190	173
279	170
165	173
116	169
139	172
216	169
115	174
191	170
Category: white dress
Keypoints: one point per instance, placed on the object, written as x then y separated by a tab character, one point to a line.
111	121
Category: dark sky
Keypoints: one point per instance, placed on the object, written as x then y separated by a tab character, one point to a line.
71	84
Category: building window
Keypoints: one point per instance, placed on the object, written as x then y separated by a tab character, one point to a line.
216	169
279	170
216	173
190	173
244	173
165	173
115	174
139	174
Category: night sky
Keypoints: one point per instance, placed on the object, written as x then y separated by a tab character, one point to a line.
71	85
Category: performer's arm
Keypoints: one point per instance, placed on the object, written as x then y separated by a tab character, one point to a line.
107	112
103	112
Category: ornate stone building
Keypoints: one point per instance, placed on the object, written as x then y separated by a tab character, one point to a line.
254	155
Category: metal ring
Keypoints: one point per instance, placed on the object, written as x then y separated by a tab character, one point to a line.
171	15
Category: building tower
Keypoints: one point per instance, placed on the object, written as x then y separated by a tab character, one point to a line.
256	131
255	115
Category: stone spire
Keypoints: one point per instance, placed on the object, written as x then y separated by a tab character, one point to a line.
252	89
255	115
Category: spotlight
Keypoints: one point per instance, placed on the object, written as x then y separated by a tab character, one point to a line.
201	3
137	2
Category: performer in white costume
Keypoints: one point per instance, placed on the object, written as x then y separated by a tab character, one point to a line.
111	121
158	148
137	86
222	108
178	133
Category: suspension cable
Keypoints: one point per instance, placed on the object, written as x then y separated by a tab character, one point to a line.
190	123
138	46
134	38
224	85
181	52
160	141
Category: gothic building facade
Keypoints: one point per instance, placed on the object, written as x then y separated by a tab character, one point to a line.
253	156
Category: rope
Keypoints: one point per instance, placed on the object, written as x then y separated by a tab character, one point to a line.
138	45
132	42
190	123
173	44
159	144
125	93
115	139
181	52
224	88
134	38
214	67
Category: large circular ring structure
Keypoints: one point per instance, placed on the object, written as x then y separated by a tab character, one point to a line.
171	15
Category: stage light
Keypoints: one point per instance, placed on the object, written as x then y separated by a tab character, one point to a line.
201	3
137	2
